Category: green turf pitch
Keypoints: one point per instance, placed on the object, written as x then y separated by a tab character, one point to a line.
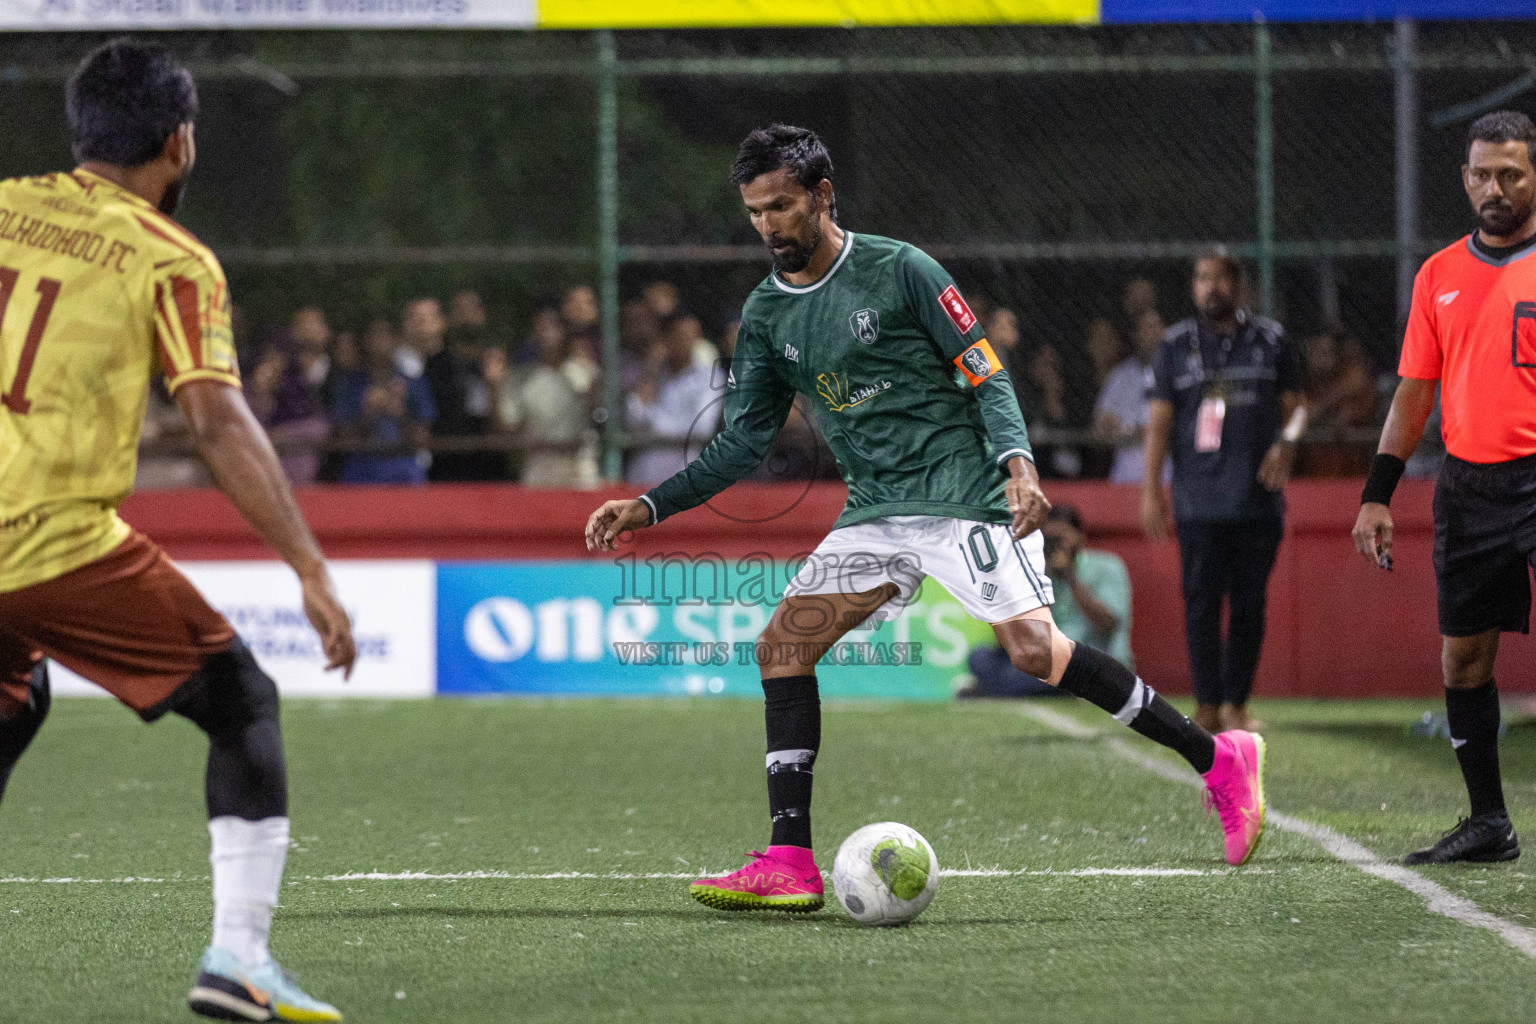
637	787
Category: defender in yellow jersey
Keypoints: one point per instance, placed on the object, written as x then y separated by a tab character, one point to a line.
99	290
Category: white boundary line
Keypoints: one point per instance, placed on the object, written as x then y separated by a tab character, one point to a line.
624	876
1437	899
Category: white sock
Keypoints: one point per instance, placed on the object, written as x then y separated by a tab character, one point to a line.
247	863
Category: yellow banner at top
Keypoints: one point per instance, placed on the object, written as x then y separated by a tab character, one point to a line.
809	13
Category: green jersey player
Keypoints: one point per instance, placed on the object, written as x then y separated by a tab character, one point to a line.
927	433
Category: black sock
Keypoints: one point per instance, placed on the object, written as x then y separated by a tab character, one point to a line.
1473	716
17	731
792	714
1101	680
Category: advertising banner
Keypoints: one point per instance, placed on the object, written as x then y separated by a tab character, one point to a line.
142	15
676	626
681	626
392	604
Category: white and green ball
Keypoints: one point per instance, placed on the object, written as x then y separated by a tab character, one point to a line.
885	874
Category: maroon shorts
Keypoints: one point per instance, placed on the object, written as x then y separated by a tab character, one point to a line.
130	622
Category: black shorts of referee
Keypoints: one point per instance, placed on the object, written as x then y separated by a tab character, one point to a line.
1485	538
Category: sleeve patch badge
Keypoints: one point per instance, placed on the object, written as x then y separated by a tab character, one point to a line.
958	311
979	363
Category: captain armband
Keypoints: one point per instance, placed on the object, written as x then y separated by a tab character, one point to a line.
979	363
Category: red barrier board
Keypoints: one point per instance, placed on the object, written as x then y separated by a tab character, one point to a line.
1337	626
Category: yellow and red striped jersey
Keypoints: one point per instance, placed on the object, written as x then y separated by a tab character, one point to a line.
98	290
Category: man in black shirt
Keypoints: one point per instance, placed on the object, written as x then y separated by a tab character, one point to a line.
455	374
1224	384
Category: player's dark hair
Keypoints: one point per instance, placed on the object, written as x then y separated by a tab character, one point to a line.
766	150
1503	126
125	100
1222	255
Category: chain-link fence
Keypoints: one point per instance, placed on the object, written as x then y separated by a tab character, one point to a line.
1046	167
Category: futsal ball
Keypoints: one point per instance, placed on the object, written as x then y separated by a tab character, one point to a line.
885	874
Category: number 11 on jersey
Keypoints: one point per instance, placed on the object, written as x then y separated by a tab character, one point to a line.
15	399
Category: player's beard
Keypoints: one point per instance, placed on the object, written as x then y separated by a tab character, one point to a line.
1500	218
171	197
798	256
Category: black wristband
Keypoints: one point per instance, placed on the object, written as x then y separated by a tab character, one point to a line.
1386	471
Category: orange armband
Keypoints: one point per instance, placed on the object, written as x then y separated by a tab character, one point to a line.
979	363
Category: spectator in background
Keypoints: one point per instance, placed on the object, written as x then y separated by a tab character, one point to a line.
639	332
704	351
1105	349
381	403
462	396
288	406
661	298
546	320
1139	297
1225	386
1341	395
311	344
422	327
1093	607
346	356
673	400
583	323
1121	414
466	320
546	333
1046	411
1002	327
545	408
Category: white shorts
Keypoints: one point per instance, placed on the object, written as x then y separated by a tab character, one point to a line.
993	576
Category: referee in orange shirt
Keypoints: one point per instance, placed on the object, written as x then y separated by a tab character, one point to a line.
1472	327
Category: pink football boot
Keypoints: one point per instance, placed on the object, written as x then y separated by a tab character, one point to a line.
1235	787
785	878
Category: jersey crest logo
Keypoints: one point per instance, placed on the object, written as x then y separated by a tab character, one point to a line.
958	311
865	325
791	353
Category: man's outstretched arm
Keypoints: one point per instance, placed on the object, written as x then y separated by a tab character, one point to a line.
246	469
757	402
752	419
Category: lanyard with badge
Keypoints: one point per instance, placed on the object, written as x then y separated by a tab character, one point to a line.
1213	399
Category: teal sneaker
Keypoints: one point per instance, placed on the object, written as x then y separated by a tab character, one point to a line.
227	990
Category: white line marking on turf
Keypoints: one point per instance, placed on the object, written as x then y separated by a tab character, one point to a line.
1437	899
423	876
626	876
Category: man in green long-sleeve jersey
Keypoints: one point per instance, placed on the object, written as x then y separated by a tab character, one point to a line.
926	429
